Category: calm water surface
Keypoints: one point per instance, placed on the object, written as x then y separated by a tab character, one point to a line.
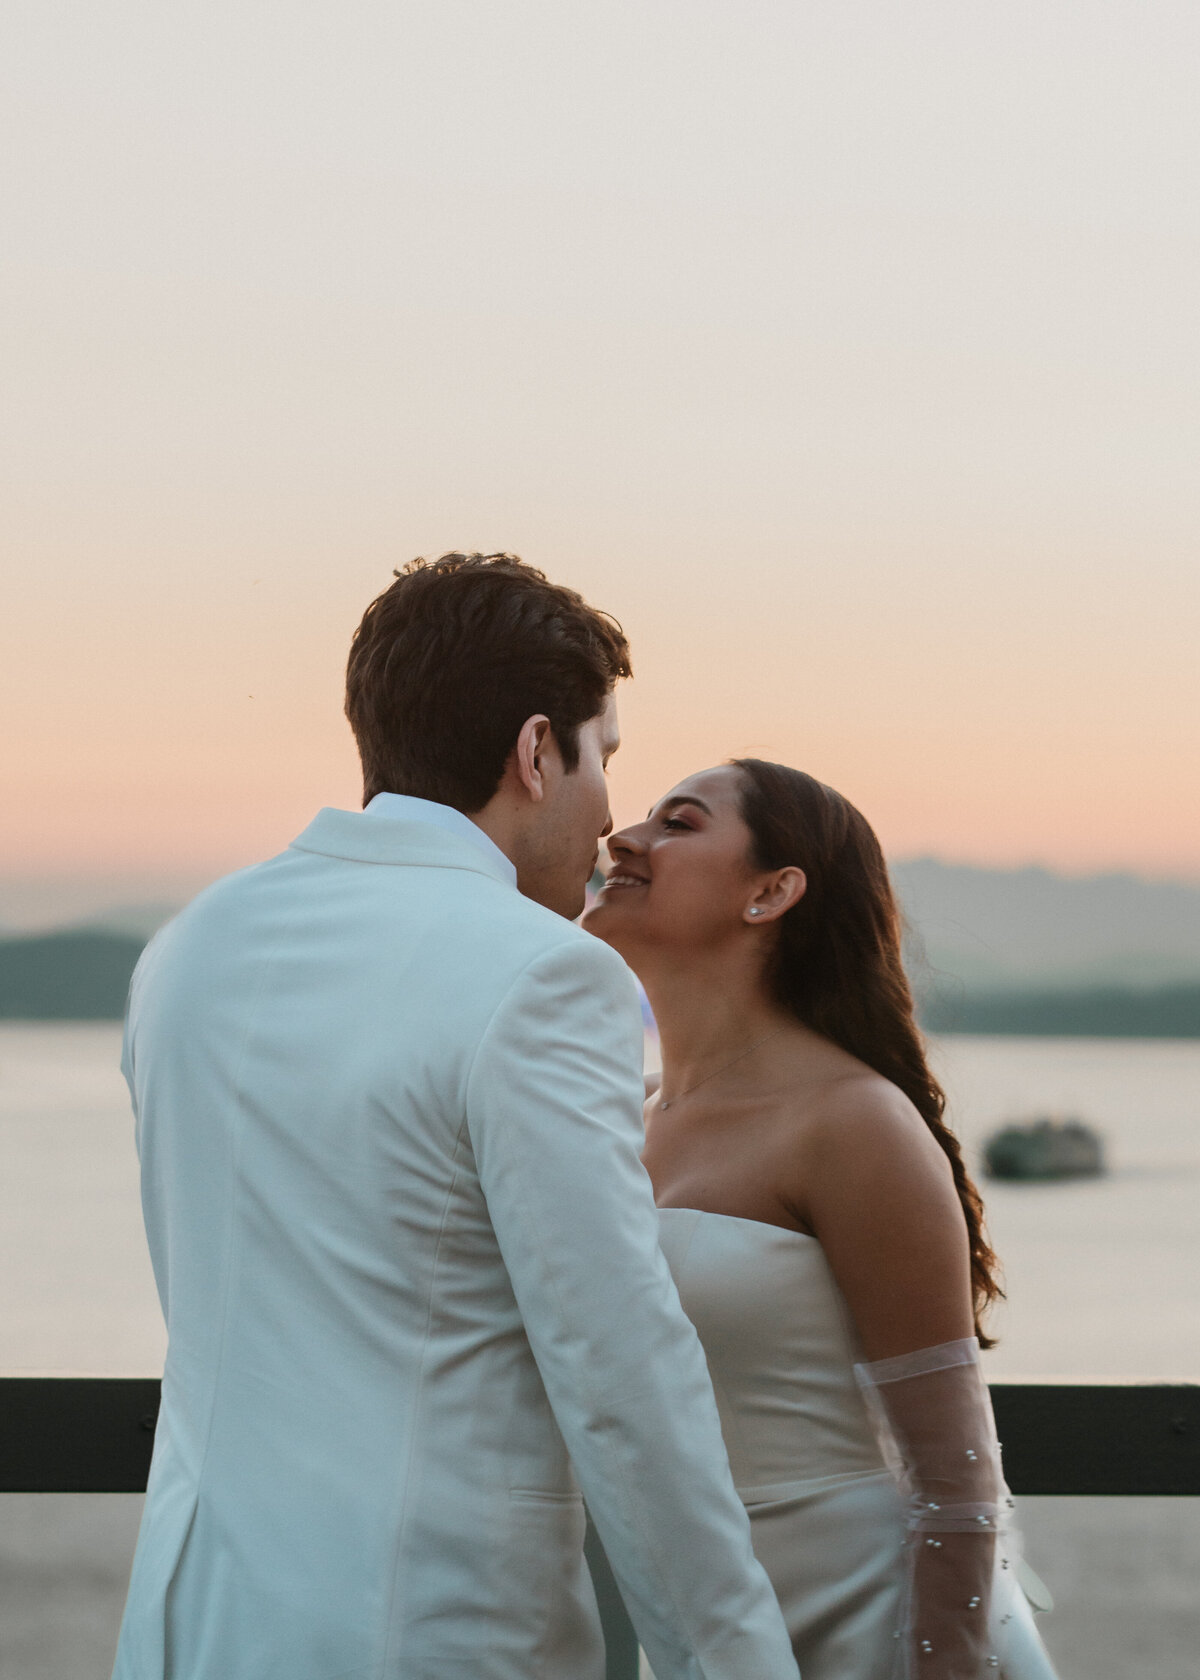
1101	1282
1101	1275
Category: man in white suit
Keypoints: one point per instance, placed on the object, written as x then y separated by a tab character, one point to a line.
389	1114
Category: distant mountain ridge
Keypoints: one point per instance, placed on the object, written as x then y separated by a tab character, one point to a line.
131	921
73	975
1094	1012
989	950
1015	930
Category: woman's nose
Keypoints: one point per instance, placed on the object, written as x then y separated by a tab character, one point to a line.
626	841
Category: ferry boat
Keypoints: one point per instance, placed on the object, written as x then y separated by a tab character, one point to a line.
1046	1147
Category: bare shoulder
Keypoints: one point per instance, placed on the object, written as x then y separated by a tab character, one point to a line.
860	1101
860	1123
876	1188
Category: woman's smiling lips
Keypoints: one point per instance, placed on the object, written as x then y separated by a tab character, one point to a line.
619	879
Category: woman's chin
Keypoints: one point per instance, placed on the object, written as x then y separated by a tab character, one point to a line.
626	935
594	919
605	922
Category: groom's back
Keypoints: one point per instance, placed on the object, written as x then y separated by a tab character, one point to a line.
349	1390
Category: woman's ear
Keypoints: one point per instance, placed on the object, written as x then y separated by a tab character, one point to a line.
776	896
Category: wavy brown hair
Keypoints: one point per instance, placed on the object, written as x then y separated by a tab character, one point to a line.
453	657
837	965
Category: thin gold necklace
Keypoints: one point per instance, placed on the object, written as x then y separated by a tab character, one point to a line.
740	1057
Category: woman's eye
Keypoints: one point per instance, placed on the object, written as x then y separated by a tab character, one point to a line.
676	822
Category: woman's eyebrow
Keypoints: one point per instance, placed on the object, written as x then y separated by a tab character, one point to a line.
682	799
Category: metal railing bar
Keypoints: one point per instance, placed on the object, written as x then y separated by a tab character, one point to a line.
95	1435
61	1434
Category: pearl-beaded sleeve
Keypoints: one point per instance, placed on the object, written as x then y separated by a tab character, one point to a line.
933	1415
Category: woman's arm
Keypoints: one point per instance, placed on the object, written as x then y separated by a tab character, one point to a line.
878	1192
875	1188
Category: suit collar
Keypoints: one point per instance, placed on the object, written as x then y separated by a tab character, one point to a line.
374	839
403	807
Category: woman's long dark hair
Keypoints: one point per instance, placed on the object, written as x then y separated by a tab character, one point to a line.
837	964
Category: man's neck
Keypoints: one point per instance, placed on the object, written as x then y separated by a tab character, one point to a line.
502	827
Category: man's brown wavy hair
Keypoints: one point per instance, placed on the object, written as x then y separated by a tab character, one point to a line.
452	658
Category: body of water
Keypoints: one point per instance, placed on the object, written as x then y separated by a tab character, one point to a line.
1101	1281
1101	1273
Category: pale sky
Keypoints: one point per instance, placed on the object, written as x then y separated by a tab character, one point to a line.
848	353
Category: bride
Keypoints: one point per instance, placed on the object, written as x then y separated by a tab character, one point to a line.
821	1227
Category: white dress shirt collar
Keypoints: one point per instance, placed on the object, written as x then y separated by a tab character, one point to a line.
405	807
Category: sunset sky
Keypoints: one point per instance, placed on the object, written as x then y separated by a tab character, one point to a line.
848	353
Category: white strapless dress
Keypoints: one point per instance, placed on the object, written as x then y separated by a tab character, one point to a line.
826	1515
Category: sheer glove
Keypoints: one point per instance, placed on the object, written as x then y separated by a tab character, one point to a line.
933	1416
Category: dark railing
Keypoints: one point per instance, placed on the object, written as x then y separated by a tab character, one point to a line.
95	1434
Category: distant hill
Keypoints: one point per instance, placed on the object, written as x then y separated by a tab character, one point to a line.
990	951
1017	930
135	921
1101	1012
1028	952
74	975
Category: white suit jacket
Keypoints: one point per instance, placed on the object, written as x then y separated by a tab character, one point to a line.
389	1116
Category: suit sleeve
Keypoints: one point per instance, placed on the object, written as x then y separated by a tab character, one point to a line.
554	1111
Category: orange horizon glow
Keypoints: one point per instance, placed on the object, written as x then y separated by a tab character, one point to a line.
195	747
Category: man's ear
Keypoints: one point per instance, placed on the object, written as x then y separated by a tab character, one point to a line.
528	754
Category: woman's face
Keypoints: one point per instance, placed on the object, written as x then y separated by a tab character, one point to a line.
685	876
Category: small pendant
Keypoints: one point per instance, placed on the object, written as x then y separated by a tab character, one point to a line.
663	1105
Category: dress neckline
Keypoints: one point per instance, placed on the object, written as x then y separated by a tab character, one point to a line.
737	1218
